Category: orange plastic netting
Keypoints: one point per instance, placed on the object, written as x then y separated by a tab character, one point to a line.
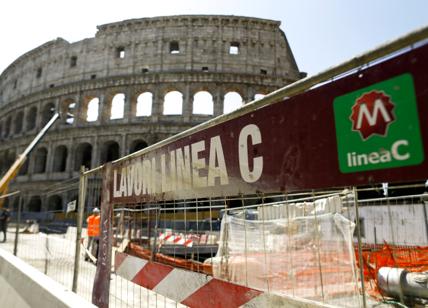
412	258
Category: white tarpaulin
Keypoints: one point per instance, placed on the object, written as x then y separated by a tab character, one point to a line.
308	253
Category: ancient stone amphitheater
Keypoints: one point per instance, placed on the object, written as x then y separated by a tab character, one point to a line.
136	82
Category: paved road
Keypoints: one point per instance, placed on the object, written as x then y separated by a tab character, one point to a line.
54	256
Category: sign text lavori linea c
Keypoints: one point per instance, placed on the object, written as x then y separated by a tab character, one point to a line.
184	168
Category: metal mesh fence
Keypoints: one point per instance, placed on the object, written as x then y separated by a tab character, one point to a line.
47	241
123	293
286	244
253	241
44	235
393	228
292	244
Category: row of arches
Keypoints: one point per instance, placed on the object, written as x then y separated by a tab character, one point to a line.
30	120
82	155
202	104
54	203
172	104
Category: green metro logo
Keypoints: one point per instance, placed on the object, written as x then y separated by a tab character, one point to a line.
377	127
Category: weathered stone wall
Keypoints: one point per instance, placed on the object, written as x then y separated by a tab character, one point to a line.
188	54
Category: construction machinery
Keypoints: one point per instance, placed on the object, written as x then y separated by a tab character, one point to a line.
19	162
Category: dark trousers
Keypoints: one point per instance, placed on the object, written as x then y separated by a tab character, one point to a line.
3	228
92	246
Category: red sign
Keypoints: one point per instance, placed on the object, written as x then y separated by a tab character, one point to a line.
287	146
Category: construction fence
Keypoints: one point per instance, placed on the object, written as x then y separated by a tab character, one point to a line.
299	245
303	245
48	241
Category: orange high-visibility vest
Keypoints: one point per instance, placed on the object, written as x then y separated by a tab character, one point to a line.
93	225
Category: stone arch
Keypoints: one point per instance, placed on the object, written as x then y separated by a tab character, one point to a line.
60	159
55	203
19	120
10	158
24	168
83	156
40	159
2	163
203	103
173	103
31	118
91	108
117	106
144	104
137	145
7	158
258	96
68	110
35	204
232	101
7	125
110	151
47	113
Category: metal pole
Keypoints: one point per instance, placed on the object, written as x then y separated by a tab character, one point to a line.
46	254
18	222
80	210
360	254
390	218
317	239
264	244
149	234
425	218
155	250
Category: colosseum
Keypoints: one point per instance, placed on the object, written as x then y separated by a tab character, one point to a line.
136	82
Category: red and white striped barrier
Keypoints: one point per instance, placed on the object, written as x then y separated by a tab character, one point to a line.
195	289
176	239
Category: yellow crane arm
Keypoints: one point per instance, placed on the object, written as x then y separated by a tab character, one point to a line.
14	169
11	173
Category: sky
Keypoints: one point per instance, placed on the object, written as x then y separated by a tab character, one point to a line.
321	33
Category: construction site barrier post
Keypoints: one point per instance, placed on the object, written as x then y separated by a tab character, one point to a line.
360	256
18	223
80	210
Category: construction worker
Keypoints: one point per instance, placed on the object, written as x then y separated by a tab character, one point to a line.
93	233
4	220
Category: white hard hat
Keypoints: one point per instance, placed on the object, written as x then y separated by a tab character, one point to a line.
96	210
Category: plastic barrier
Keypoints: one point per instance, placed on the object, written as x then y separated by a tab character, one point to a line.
411	258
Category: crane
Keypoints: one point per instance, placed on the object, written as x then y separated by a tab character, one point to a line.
14	169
